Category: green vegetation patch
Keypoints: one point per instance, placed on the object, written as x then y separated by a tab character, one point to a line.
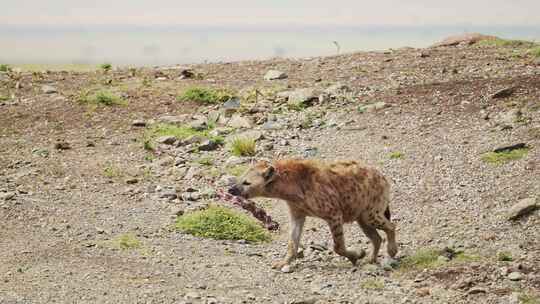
205	95
396	155
498	158
126	241
433	258
4	68
241	146
504	256
105	66
237	170
498	42
222	224
372	283
424	258
103	97
529	298
111	172
535	52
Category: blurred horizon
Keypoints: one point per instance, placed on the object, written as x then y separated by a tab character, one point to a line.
167	45
140	32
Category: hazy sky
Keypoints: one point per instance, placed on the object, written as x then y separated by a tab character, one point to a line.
270	12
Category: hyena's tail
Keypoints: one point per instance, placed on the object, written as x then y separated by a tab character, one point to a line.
387	213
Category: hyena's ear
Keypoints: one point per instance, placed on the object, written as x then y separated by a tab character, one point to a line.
269	173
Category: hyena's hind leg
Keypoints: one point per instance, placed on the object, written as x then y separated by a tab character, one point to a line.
390	230
374	237
336	227
380	220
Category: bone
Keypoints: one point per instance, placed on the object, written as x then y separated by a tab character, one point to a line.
250	206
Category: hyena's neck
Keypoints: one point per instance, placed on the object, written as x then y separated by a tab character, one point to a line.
285	190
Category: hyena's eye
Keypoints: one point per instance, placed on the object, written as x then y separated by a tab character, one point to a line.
246	183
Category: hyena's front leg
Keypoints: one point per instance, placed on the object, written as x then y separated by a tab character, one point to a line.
336	227
297	225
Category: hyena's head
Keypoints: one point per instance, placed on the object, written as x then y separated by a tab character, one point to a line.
254	181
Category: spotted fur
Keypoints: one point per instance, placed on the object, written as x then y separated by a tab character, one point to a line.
338	192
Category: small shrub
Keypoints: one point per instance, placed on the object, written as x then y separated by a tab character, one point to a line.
296	106
504	256
498	158
222	224
373	284
127	241
204	95
3	98
243	146
5	68
101	97
105	67
111	172
396	155
148	145
535	52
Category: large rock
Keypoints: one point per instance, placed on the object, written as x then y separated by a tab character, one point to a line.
373	107
468	38
274	75
337	89
231	105
522	208
208	145
47	89
167	140
303	95
180	119
239	122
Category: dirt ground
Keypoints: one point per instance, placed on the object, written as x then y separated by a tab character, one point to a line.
62	211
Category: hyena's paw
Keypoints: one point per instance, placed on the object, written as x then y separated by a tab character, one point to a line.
282	265
354	256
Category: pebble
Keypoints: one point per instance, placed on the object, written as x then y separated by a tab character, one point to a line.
515	276
274	75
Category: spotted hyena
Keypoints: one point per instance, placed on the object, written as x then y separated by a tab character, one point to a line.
338	192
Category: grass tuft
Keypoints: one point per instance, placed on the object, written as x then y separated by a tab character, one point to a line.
396	155
105	66
372	283
430	258
101	97
504	256
205	95
498	42
535	52
221	224
243	146
180	132
5	68
498	158
127	241
112	172
424	258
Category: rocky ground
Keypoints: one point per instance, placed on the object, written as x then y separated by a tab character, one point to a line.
76	181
